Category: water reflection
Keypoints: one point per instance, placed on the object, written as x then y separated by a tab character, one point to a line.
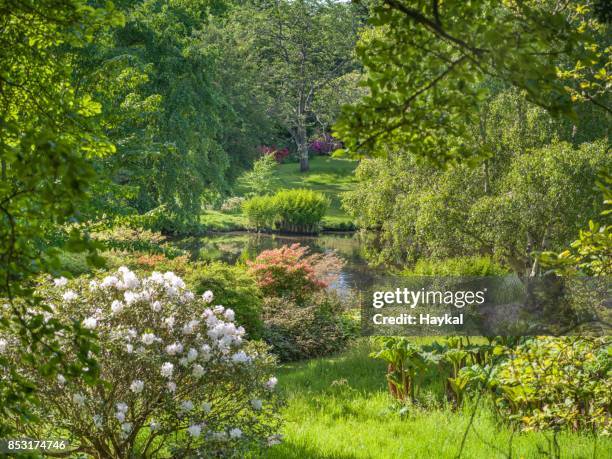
239	247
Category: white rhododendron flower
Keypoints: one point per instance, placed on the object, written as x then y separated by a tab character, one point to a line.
275	440
256	404
195	430
126	427
156	306
187	405
109	281
241	357
235	433
3	345
69	296
171	386
167	369
61	380
271	383
208	296
78	398
198	371
60	282
148	338
174	349
192	354
121	407
206	407
137	386
117	306
90	323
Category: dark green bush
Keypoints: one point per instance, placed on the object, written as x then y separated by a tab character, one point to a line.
296	211
319	328
234	288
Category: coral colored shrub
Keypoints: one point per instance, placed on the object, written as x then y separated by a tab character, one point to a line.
291	272
177	375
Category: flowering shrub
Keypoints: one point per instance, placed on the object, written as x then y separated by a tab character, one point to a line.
324	145
279	154
292	272
177	374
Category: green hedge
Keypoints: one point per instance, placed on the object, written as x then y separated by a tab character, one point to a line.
293	211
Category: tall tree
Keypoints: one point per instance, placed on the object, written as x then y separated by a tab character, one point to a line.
48	139
302	47
165	106
426	60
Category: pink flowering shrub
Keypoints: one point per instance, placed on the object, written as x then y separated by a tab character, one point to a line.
291	272
324	145
177	377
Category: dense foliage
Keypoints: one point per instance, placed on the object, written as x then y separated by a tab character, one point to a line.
49	136
170	365
541	383
533	195
427	65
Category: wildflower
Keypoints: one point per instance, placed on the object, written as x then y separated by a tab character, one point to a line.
137	386
121	407
167	369
97	420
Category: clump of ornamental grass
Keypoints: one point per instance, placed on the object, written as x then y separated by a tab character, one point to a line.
176	376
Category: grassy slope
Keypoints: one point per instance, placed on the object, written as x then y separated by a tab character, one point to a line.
327	175
339	408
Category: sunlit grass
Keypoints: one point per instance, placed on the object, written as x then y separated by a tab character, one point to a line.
339	408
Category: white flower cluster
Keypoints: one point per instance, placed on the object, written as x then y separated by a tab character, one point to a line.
152	318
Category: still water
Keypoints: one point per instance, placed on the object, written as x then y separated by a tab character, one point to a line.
240	246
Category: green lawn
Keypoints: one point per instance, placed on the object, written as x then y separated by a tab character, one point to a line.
327	175
339	408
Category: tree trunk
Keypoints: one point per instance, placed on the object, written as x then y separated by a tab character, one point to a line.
302	149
